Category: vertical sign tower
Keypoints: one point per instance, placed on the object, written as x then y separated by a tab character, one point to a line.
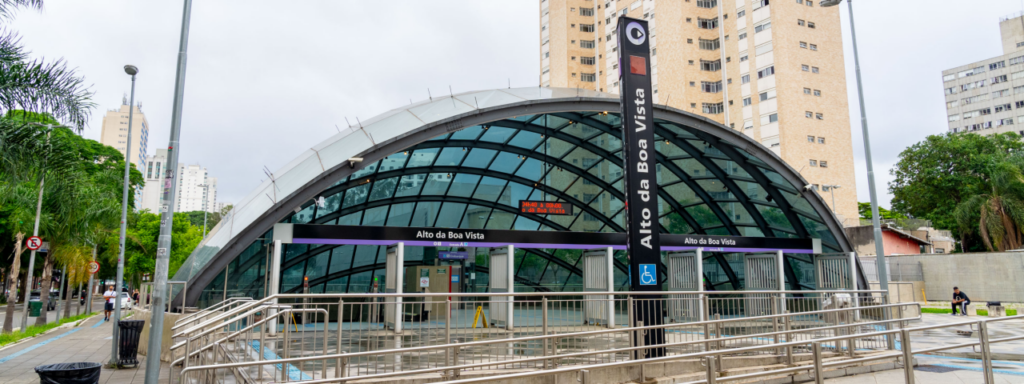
641	186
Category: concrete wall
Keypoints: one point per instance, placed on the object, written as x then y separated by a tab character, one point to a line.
991	276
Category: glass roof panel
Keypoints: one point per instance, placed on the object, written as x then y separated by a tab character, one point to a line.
410	185
437	183
463	185
423	157
470	133
497	134
580	130
703	215
555	148
607	142
716	189
450	157
506	162
525	139
479	158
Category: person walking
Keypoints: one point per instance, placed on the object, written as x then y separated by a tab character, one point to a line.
135	297
108	302
960	299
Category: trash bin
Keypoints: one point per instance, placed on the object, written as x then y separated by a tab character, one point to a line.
35	308
128	342
69	373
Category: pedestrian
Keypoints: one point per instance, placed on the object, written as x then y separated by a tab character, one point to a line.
960	299
135	297
108	298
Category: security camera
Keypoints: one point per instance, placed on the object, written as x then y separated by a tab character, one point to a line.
352	161
809	187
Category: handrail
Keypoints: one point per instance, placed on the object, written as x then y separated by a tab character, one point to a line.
214	320
591	333
182	321
236	333
202	333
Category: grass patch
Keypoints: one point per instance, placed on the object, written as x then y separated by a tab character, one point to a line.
1009	312
36	330
936	310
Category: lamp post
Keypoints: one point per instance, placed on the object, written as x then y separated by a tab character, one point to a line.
832	188
32	255
132	71
883	278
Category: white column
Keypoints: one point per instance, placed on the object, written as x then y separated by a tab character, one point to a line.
853	285
511	276
780	262
610	274
399	284
274	269
700	280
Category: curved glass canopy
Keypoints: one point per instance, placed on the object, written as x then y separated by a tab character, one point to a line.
475	177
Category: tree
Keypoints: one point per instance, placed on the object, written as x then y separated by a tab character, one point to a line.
997	207
934	176
865	212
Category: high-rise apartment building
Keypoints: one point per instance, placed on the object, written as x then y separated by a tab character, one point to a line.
772	70
115	132
196	189
987	97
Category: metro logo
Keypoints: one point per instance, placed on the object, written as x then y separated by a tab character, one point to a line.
638	65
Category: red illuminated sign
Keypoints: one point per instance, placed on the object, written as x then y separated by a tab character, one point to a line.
545	207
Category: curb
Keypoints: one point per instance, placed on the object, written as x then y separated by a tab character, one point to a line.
62	326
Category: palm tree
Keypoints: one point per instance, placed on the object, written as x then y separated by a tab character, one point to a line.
36	85
997	210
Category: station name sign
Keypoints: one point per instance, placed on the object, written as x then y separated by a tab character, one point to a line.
545	207
453	237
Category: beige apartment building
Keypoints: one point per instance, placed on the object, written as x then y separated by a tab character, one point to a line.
115	132
986	97
772	70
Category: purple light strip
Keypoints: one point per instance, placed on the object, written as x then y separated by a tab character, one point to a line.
420	243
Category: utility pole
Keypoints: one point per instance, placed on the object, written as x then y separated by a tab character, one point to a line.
163	250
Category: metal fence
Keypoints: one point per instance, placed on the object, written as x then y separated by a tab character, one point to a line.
351	336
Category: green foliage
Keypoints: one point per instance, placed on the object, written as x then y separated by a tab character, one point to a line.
934	176
140	248
865	212
937	310
36	330
996	207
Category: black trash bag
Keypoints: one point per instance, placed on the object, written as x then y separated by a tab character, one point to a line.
69	373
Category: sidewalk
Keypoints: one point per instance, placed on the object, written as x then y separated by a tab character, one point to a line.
89	342
921	376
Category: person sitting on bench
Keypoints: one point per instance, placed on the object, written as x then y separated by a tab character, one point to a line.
960	299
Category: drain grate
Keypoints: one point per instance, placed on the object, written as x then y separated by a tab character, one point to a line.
935	369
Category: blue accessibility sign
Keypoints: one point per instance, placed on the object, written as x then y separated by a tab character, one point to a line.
648	274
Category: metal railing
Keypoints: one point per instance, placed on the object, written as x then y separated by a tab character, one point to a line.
457	332
195	318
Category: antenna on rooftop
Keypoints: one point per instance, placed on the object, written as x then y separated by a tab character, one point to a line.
429	95
453	96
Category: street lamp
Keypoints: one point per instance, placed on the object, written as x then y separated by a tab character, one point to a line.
832	188
131	70
883	278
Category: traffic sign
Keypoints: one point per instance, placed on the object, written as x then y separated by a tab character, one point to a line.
648	274
424	282
93	267
34	243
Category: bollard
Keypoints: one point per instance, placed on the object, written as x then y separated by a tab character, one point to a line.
789	337
447	330
340	367
544	327
583	376
631	324
704	317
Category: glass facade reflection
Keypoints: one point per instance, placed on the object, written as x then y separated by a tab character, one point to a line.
475	178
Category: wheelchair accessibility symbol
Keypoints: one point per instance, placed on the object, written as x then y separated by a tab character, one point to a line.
648	274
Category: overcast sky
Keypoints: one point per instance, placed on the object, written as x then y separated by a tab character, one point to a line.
267	80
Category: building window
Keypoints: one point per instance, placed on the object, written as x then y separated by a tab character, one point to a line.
707	23
759	3
996	65
763	27
950	91
805	67
586	27
814	70
743	35
587	44
743	57
1018	59
713	66
799	22
744	79
766	72
709	45
712	108
814	47
810	139
711	87
766	95
586	11
588	77
587	60
819	116
741	13
810	24
746	101
821	140
949	77
814	163
1003	107
1019	104
707	3
810	3
808	114
803	44
817	92
768	119
807	91
999	79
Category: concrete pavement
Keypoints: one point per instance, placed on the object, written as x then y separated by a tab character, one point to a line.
89	342
51	316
